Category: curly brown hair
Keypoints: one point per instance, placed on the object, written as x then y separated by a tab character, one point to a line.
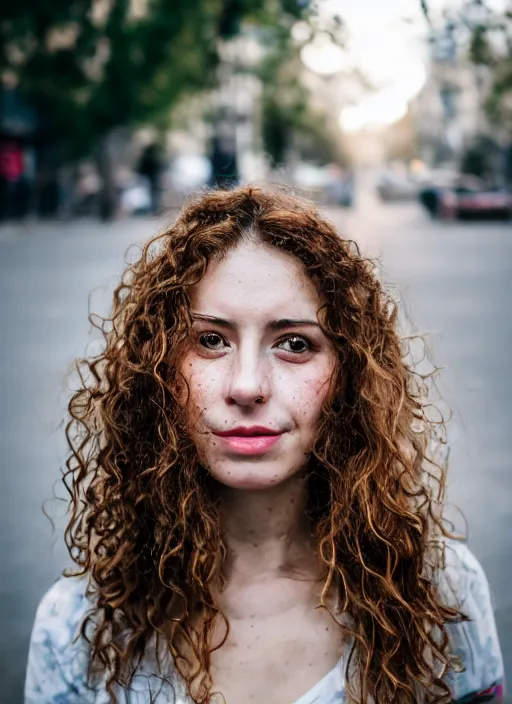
144	523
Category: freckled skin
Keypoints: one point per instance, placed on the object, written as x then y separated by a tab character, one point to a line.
230	368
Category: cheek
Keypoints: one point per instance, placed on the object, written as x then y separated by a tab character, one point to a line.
316	394
203	386
309	397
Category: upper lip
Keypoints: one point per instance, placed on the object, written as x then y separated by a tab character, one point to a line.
253	430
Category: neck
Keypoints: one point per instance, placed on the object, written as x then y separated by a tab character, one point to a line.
267	532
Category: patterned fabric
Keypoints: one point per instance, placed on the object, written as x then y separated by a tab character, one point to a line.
493	694
475	642
57	661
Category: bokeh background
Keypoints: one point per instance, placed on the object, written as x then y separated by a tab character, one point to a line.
395	116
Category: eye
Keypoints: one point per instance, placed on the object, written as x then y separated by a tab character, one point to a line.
212	341
295	344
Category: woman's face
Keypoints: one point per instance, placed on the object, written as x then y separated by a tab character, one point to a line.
258	367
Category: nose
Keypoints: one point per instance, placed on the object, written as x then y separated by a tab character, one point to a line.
249	380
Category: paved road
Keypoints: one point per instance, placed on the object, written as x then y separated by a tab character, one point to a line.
458	285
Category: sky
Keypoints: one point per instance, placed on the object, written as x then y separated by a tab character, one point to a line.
387	40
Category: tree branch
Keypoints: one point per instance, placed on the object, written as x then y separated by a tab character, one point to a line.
425	9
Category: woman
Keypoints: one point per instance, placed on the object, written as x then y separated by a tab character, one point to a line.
255	495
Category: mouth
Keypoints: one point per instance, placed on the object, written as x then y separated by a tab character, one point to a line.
248	432
249	441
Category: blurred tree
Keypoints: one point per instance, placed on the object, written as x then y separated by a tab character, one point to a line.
92	66
289	119
480	157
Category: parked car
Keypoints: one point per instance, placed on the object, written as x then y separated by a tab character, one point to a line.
396	186
485	204
467	197
329	185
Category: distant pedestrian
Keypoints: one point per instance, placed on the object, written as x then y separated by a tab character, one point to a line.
151	166
11	179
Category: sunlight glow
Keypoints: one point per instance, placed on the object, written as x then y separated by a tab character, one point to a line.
388	105
387	45
323	56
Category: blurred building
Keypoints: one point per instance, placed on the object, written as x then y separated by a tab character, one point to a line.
449	110
235	141
329	94
450	114
221	126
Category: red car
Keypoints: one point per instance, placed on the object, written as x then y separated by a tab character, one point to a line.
468	204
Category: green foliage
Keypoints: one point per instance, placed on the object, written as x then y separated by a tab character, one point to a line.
478	158
425	9
287	116
284	97
499	103
93	65
485	50
276	130
295	123
480	49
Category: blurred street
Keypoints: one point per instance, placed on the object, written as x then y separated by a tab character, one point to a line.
455	278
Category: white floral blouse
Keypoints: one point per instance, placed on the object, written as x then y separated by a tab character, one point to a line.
57	662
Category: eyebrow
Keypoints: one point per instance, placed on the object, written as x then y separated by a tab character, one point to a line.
280	324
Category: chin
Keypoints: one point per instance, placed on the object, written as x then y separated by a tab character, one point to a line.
250	475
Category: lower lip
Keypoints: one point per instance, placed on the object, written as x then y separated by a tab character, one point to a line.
250	445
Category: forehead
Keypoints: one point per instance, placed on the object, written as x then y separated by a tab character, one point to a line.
255	279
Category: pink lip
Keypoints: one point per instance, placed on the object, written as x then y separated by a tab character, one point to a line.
249	444
242	431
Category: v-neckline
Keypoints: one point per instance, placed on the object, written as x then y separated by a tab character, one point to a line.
335	675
